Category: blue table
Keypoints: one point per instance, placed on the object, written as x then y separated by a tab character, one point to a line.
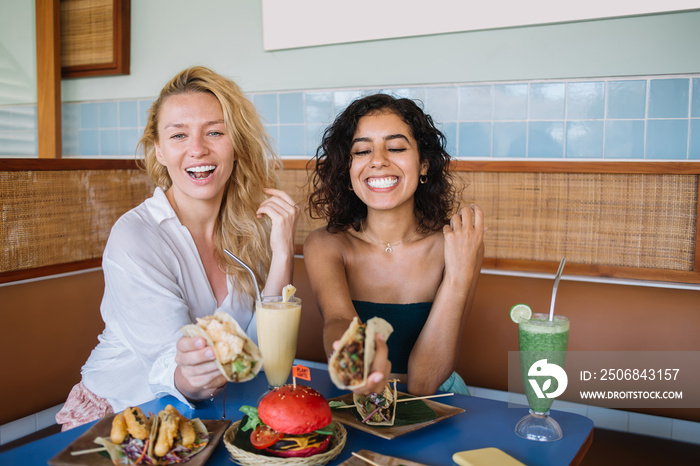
485	423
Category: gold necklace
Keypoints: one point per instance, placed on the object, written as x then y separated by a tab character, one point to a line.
389	246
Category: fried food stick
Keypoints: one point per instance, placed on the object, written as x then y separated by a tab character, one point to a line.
137	423
119	430
167	432
186	431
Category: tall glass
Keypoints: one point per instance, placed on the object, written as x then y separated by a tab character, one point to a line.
278	329
542	352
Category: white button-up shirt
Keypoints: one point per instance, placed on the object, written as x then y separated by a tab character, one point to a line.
154	284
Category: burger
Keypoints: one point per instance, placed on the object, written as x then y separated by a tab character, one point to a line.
290	421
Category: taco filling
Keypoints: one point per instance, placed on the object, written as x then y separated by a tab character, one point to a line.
377	408
236	355
351	359
229	346
350	364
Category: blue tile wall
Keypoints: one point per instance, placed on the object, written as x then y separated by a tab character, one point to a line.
291	108
444	101
695	101
584	139
624	139
509	139
547	101
319	107
128	114
694	152
267	107
475	137
627	99
585	100
475	103
510	102
667	139
668	98
632	118
546	138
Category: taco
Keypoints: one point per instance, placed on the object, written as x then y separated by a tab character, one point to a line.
377	409
172	439
349	366
236	355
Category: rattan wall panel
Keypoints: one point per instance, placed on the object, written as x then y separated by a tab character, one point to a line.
87	32
58	217
296	183
633	225
624	220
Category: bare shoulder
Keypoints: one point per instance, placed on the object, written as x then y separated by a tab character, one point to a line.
321	237
322	242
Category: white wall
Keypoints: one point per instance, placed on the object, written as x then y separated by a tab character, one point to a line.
288	24
17	52
168	35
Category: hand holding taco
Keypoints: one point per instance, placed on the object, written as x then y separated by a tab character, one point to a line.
351	363
237	357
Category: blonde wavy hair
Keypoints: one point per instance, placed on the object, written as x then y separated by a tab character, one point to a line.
237	227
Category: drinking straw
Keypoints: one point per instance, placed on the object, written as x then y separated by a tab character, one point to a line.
250	271
556	284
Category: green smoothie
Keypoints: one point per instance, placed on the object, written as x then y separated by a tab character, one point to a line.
541	339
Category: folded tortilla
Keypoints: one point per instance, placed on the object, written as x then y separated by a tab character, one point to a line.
350	365
237	357
377	409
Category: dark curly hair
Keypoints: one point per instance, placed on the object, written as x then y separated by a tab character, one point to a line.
331	198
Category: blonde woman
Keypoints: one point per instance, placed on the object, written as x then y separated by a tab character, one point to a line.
211	160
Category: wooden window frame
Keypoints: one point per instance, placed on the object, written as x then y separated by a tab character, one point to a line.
48	68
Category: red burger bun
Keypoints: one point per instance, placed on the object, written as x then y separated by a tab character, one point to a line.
295	410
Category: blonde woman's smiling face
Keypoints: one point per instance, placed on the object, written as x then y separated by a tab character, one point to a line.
386	165
194	145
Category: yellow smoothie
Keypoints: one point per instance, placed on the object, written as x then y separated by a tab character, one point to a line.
278	329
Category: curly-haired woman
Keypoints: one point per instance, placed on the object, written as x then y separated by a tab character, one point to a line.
396	245
164	264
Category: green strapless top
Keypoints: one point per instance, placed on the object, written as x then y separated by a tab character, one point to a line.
408	321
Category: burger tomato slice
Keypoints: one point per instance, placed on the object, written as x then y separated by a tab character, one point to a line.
291	421
263	437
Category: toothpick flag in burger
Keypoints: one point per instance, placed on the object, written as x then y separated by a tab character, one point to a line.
291	421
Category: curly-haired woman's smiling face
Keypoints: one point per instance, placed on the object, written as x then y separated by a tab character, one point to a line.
385	164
